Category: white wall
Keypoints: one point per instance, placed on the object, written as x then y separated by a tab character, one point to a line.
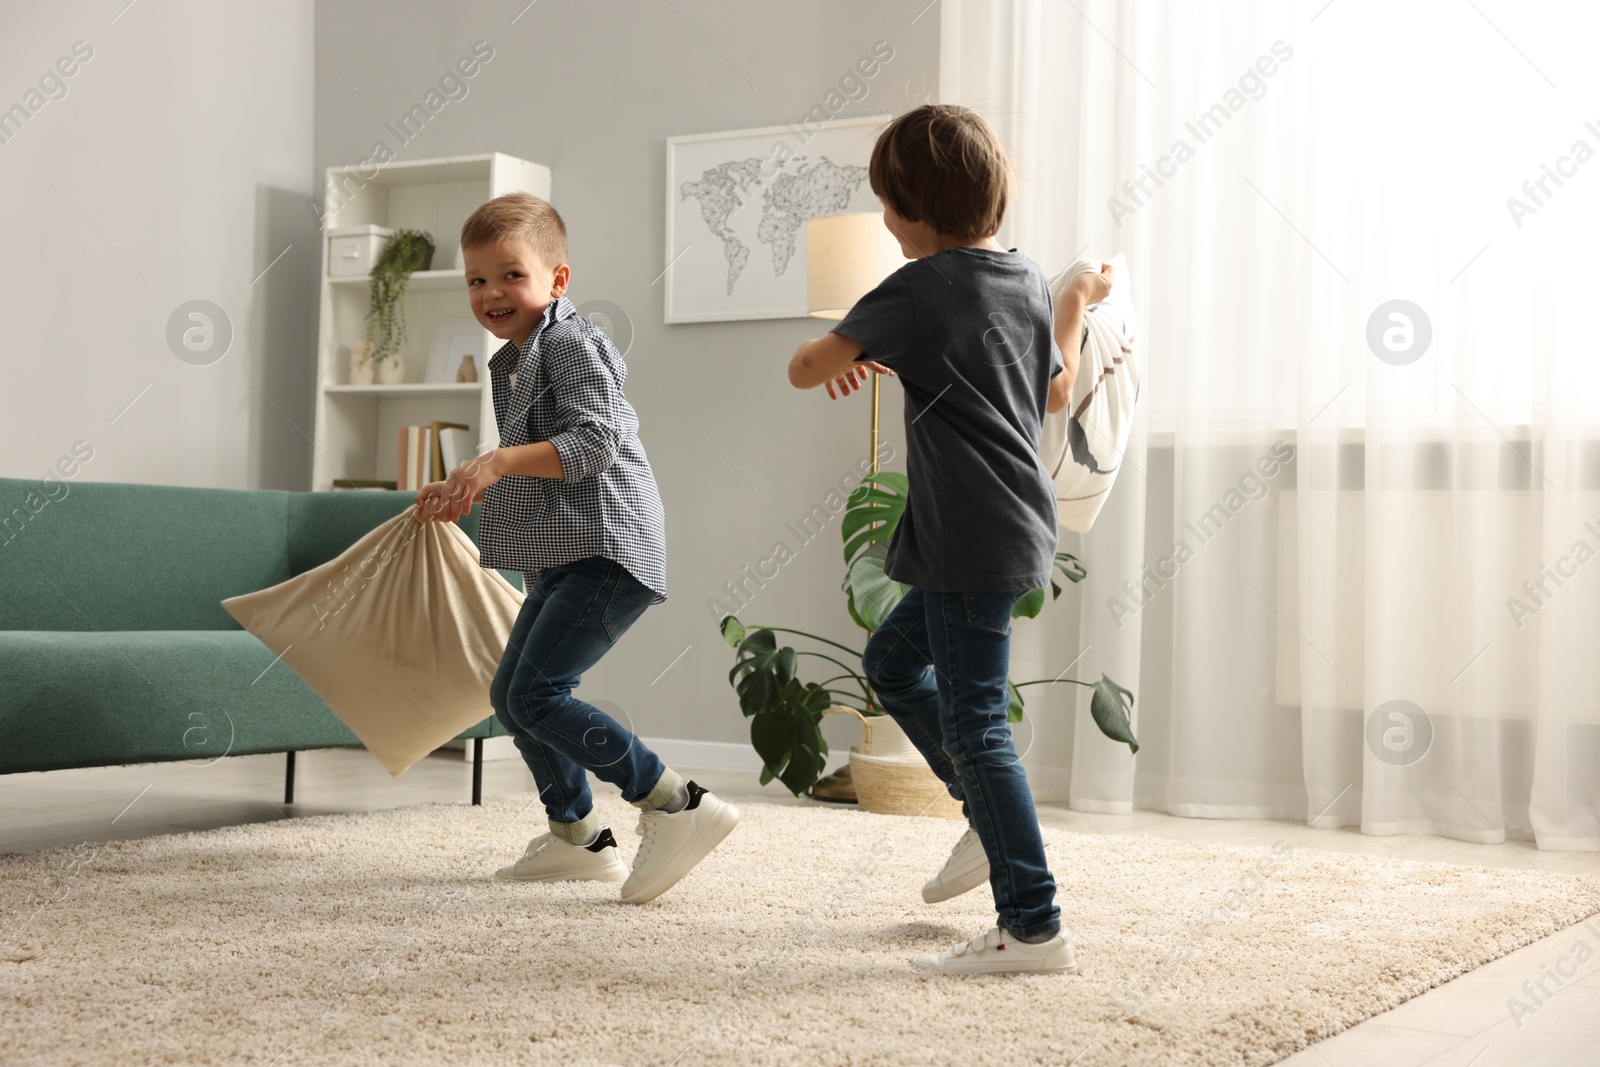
180	157
593	90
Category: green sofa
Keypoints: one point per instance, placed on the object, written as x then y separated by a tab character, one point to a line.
114	646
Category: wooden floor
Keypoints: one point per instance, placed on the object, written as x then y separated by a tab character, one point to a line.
1467	1022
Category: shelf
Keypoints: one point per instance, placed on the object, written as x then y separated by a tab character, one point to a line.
356	425
410	390
426	171
421	281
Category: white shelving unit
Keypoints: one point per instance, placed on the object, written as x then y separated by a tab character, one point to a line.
356	425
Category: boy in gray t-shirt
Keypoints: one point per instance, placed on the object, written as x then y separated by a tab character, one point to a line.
967	326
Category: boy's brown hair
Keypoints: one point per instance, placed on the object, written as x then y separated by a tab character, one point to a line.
522	217
943	164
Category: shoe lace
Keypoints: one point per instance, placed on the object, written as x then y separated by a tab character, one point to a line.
979	943
538	843
648	821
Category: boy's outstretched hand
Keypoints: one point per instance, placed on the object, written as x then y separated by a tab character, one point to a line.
452	498
855	376
1082	293
1093	288
831	360
435	504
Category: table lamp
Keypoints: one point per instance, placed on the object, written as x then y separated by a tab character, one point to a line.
846	257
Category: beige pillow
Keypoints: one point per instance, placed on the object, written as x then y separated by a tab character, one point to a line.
401	635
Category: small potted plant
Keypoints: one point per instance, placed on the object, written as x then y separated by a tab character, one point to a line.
786	712
406	252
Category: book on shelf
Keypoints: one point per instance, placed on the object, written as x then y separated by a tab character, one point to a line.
456	447
413	462
429	453
448	450
362	483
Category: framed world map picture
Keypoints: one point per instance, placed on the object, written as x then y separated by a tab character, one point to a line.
737	205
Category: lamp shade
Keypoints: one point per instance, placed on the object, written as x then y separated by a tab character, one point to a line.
846	257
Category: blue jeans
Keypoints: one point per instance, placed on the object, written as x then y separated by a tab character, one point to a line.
572	616
939	665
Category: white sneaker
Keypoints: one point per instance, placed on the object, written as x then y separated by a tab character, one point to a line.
671	844
997	952
550	859
965	870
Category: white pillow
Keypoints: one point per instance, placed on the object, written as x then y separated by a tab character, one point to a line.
1082	446
400	635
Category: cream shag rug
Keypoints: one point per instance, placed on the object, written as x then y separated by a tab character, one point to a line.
383	939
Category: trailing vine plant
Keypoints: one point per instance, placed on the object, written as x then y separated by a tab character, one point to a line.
407	251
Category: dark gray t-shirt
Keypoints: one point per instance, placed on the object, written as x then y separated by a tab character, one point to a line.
969	333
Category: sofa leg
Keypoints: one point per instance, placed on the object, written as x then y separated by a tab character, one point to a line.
288	779
477	770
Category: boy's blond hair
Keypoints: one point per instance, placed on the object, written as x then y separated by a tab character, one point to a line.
520	217
943	164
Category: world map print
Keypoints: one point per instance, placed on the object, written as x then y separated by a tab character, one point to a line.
805	189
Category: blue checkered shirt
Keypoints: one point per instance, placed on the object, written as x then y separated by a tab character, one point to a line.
568	391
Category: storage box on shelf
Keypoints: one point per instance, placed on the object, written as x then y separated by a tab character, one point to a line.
357	425
352	250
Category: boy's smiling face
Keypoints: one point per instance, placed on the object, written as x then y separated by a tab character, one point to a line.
510	287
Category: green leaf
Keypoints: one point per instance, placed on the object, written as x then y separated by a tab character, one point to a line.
755	643
1032	602
406	251
850	606
804	768
1029	606
873	507
733	631
1013	709
758	648
762	670
774	734
880	534
872	594
873	511
889	481
813	698
1069	565
1110	707
788	736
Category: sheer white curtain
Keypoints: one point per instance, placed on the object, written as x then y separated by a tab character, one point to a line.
1352	567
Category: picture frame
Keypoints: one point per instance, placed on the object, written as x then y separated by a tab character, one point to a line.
754	267
452	339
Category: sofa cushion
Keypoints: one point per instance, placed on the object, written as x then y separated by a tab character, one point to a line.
85	699
107	556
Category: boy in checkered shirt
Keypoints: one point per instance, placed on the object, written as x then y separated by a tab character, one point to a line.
570	500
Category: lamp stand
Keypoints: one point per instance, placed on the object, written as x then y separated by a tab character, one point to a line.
874	452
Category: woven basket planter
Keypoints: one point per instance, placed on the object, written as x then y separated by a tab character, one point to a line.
890	775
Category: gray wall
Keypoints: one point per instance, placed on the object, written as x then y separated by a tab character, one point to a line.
172	165
592	90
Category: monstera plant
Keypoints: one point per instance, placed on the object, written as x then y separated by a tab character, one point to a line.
785	711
